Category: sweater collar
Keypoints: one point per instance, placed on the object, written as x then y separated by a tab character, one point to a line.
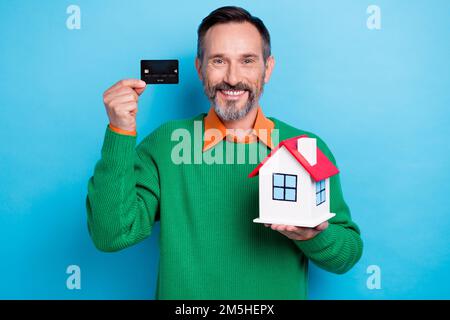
262	130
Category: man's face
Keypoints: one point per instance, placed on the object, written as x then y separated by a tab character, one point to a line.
233	71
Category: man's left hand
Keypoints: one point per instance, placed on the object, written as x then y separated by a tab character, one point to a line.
298	233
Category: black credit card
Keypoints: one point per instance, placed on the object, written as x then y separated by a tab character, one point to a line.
159	71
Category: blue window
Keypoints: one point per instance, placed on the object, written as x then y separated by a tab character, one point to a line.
320	192
284	187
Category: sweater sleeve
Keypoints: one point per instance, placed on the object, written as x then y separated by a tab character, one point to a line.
123	194
338	248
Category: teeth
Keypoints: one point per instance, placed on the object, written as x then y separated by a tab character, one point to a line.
233	92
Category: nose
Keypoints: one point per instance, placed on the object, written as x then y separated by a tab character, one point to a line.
232	75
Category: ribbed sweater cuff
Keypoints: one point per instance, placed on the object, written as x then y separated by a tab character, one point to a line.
320	242
118	148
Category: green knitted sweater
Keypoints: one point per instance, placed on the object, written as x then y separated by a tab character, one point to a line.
209	246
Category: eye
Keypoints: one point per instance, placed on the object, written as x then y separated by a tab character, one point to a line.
247	61
217	61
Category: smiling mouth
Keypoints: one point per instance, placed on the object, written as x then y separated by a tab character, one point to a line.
232	94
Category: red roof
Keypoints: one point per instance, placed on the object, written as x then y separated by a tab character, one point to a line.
323	169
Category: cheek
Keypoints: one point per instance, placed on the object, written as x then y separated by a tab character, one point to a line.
257	83
214	75
255	77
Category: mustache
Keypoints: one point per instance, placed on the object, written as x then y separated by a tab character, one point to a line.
225	86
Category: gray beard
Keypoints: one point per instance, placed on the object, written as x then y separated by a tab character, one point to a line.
229	112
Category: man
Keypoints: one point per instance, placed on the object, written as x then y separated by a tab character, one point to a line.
210	248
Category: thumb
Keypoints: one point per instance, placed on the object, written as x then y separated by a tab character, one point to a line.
140	90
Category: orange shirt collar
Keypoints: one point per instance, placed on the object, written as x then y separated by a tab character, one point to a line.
262	128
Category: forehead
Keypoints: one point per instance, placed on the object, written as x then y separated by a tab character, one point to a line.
233	39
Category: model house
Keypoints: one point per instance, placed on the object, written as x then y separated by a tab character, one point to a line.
294	187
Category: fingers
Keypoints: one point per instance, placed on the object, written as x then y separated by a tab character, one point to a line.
123	90
293	235
298	233
121	102
322	226
130	83
139	91
119	90
124	108
126	96
283	227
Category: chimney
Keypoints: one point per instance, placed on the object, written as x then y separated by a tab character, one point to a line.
308	149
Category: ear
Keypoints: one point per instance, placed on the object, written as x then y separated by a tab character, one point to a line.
198	67
270	64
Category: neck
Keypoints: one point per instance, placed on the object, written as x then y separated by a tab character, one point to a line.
246	123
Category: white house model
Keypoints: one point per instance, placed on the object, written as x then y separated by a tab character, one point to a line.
294	187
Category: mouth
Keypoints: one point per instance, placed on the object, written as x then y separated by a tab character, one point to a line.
232	94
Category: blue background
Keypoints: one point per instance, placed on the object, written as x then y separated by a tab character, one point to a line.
379	98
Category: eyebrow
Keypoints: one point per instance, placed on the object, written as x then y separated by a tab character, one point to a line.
221	55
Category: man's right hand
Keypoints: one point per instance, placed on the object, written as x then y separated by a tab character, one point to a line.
121	102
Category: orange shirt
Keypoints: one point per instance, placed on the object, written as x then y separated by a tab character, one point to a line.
262	130
125	132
